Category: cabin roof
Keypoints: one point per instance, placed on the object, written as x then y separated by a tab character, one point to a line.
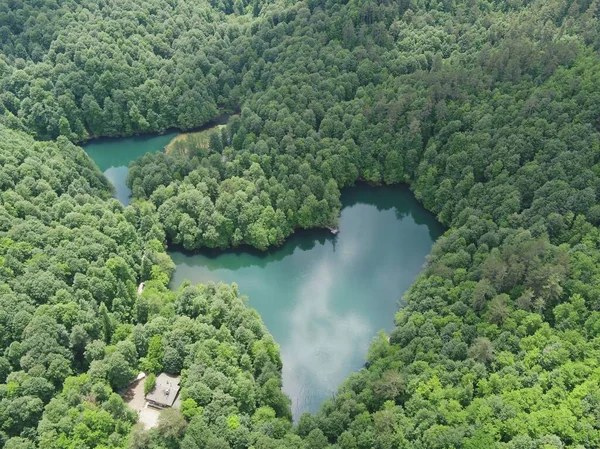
165	391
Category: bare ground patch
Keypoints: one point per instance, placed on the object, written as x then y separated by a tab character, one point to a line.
135	399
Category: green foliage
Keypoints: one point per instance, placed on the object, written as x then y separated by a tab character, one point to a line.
71	419
149	383
231	371
63	80
488	109
215	209
69	258
153	360
189	408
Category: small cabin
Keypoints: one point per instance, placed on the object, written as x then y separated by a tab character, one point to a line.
165	391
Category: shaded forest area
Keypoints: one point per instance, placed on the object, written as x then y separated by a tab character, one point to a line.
489	110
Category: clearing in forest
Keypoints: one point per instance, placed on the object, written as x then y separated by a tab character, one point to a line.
184	142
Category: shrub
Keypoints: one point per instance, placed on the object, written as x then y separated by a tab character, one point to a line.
150	383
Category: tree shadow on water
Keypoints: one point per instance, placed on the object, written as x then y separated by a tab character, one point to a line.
397	198
247	256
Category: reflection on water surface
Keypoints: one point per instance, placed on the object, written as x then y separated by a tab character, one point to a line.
325	297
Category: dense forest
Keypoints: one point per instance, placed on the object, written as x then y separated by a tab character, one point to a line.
74	328
489	110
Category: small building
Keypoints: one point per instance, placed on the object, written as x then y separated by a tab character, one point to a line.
165	391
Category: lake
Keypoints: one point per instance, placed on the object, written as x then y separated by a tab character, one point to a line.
325	297
113	155
322	297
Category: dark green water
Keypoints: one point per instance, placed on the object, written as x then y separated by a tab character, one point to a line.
325	297
114	155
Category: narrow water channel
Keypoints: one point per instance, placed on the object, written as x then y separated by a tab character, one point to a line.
322	297
113	156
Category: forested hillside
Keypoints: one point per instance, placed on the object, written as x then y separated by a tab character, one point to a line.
73	328
82	69
489	110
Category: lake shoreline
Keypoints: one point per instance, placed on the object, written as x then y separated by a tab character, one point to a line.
324	233
151	134
214	126
324	297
